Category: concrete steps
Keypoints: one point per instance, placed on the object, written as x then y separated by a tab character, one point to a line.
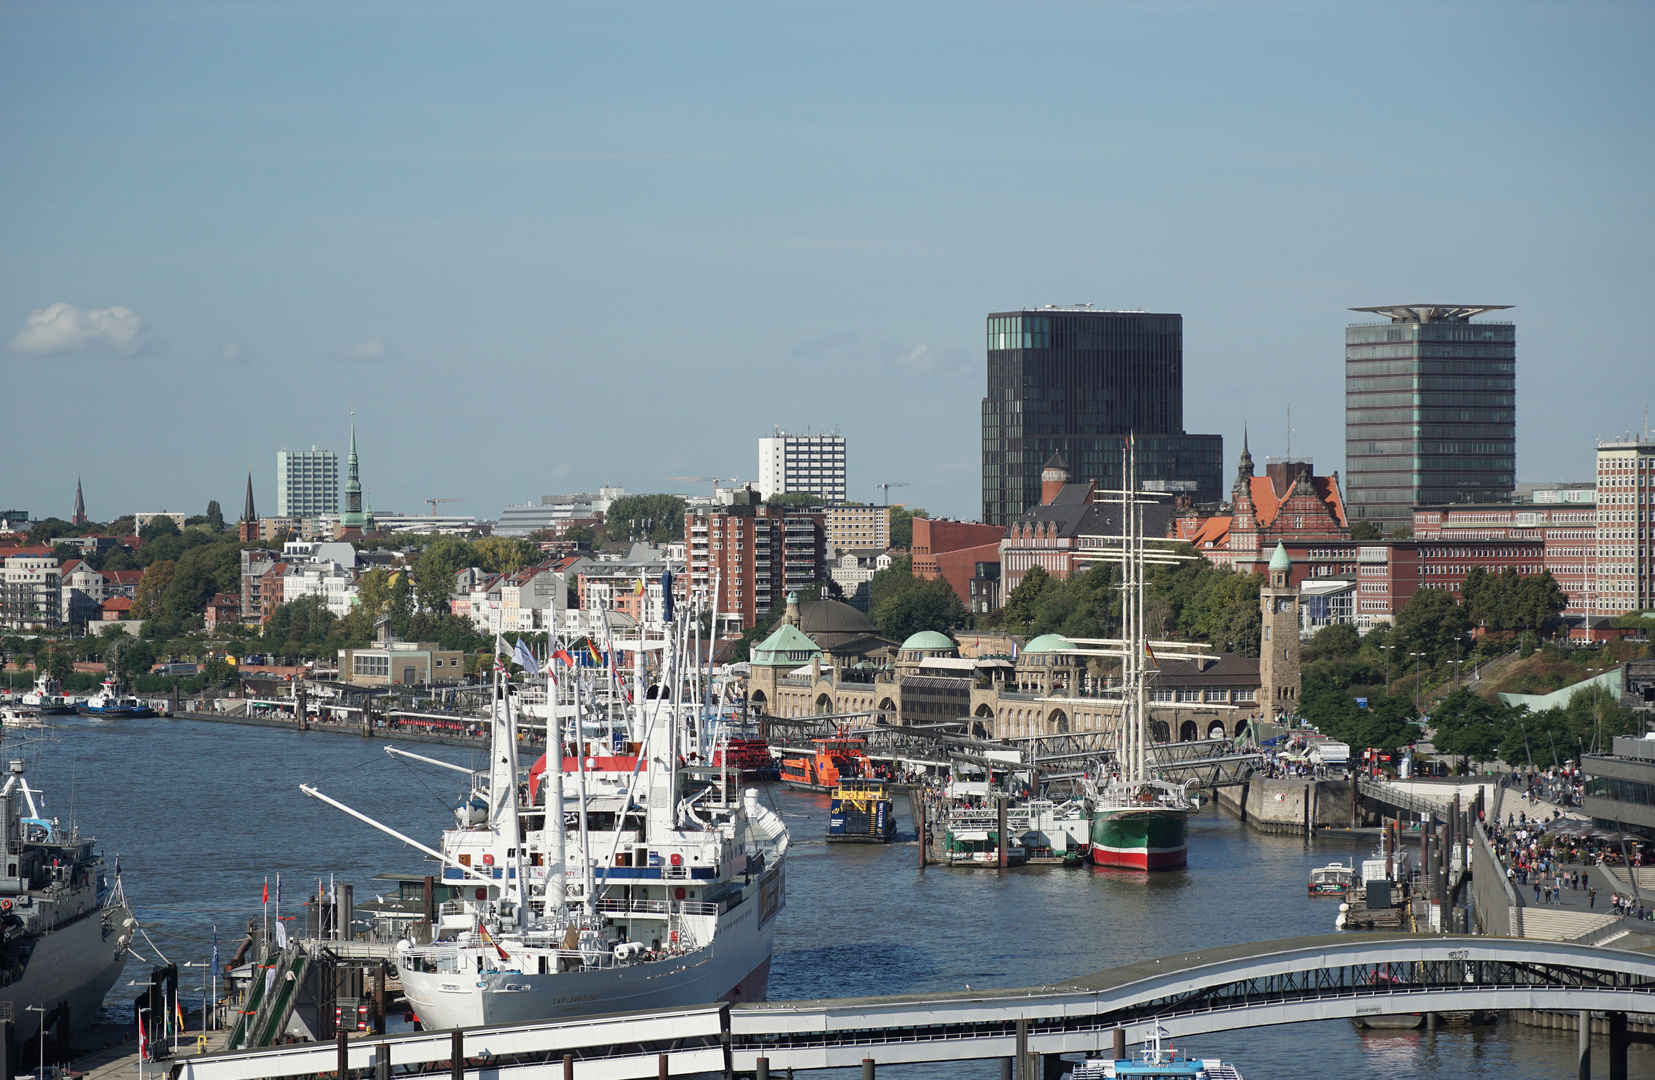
1560	924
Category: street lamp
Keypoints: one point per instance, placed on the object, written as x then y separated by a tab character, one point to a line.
1416	656
41	1009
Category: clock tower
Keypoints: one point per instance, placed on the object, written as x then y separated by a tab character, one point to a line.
1278	664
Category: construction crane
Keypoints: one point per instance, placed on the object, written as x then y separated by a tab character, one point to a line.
432	503
713	480
886	488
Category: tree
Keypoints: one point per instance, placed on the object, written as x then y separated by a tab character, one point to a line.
656	518
200	573
1469	726
436	569
1336	641
1402	532
44	532
60	663
902	524
1428	623
794	499
902	605
158	526
149	599
1023	603
503	554
579	534
1366	530
215	517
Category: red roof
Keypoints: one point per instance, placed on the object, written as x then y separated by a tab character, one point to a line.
1214	532
118	603
1266	506
123	577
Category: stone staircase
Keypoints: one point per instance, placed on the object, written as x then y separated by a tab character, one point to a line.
1560	924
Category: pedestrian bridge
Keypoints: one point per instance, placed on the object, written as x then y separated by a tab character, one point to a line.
1208	990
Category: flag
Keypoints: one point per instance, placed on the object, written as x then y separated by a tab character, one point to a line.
597	659
499	649
178	1012
558	652
666	595
143	1041
524	657
488	939
639	588
1150	654
267	890
278	890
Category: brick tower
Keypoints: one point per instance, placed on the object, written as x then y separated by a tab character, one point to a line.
1278	665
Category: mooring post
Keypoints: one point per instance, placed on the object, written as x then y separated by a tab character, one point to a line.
1431	1023
662	1071
568	1067
456	1056
1000	834
382	1061
761	1069
918	802
1120	1043
1005	1069
1618	1043
1022	1052
1584	1043
867	1069
344	1053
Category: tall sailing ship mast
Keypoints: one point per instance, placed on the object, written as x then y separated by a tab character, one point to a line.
1138	822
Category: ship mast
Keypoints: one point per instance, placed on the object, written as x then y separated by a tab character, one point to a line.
1135	552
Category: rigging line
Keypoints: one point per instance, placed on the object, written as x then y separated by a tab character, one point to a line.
152	944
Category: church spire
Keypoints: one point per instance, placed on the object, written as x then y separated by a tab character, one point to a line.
247	511
352	518
80	505
248	529
1244	468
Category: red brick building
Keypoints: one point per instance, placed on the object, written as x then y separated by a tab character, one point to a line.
1288	504
952	551
1566	531
755	554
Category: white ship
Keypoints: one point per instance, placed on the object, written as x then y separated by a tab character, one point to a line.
47	698
656	885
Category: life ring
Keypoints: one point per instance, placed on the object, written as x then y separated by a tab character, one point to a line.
5	905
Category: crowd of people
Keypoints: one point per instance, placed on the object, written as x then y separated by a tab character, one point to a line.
1554	856
1561	785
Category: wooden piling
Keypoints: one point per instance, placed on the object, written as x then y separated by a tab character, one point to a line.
1000	833
456	1056
918	803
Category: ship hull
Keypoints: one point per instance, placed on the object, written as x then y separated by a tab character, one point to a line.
1151	838
734	967
77	963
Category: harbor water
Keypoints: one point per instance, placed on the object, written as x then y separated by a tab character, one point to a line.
202	813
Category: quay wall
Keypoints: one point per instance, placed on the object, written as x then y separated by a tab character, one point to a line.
353	730
1493	900
1287	805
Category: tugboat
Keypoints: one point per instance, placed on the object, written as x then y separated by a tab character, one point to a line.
108	703
862	813
47	698
1155	1063
837	758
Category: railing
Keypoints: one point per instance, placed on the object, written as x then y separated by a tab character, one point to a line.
658	907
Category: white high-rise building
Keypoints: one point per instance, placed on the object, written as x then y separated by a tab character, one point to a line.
307	483
813	463
1626	503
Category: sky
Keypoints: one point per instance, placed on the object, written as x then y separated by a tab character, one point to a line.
542	247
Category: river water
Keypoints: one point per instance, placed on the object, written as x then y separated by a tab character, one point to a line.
201	814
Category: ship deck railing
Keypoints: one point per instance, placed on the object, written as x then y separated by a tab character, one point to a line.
658	907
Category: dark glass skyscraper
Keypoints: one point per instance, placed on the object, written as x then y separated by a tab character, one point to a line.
1077	381
1430	410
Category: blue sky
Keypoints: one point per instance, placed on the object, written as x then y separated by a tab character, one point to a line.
543	247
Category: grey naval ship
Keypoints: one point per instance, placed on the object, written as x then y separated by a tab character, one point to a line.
65	927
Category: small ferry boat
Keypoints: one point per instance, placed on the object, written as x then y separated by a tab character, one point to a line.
837	758
1332	880
110	703
980	847
1155	1063
862	813
14	717
750	756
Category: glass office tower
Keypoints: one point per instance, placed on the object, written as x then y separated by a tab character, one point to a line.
1078	381
1430	411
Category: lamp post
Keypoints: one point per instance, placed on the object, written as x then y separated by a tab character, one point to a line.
1387	649
1417	656
41	1009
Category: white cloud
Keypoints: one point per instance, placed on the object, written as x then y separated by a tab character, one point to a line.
234	352
65	330
928	360
364	352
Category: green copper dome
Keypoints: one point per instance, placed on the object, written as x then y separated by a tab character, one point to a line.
929	641
1049	643
1280	561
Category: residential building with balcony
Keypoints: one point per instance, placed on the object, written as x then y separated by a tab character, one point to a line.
812	463
747	557
856	526
1625	563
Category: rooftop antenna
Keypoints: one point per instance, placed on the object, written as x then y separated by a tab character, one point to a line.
1289	431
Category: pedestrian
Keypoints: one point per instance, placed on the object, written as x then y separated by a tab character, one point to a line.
1591	896
1537	892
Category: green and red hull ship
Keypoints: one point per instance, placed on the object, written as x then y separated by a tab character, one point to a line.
1140	838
